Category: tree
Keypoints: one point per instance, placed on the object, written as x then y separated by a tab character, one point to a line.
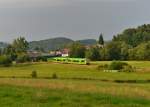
10	51
142	51
5	60
113	51
124	51
20	45
134	36
93	54
77	50
101	40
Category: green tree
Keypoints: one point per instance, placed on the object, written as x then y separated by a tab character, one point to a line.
10	51
101	40
142	51
77	50
93	54
134	36
116	51
20	45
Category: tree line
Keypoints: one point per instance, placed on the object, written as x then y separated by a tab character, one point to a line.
131	44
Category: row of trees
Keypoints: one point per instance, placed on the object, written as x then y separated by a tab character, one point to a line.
112	51
132	44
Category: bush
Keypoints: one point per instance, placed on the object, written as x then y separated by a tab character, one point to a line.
34	74
117	65
102	67
54	76
128	68
44	59
5	60
23	58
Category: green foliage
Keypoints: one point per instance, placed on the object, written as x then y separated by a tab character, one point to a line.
128	68
141	52
54	76
134	36
116	51
20	45
93	54
117	65
23	58
102	67
10	51
5	60
101	40
77	50
17	50
34	74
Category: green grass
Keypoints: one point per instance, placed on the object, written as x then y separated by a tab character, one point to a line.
75	71
13	96
72	88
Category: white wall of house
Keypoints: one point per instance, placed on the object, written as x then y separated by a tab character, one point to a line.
65	55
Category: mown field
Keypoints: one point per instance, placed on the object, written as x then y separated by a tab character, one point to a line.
76	86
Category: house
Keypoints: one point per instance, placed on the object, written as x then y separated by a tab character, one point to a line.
65	52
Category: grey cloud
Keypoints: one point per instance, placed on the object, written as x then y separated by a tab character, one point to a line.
76	19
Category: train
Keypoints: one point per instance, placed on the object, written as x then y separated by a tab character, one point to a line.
67	60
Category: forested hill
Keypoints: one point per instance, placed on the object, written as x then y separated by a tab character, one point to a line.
88	41
57	43
50	44
134	36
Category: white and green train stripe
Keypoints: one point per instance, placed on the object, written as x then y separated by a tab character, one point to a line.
69	60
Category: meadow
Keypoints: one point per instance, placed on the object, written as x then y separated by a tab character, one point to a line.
75	86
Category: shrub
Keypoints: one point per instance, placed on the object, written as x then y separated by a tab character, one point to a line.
34	74
5	60
103	67
117	65
128	68
44	59
54	76
23	58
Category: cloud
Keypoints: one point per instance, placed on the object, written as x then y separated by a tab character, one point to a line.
47	3
101	0
30	3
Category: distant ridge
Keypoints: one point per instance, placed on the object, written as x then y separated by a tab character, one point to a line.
87	41
50	44
57	43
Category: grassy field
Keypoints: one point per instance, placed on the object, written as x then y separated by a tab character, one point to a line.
76	86
62	93
76	71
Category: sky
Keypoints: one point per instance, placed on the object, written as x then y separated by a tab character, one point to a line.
75	19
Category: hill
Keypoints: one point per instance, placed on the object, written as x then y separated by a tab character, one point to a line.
57	43
87	41
50	44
